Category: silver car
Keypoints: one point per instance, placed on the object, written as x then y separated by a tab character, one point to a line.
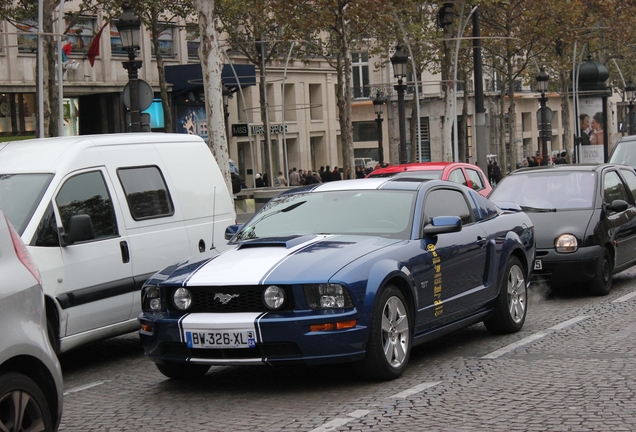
30	375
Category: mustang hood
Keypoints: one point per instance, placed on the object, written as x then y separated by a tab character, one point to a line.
549	225
301	259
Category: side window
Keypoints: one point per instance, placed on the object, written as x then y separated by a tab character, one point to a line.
475	179
446	202
146	192
457	176
630	178
46	234
87	194
613	188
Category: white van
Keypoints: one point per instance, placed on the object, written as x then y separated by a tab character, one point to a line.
100	214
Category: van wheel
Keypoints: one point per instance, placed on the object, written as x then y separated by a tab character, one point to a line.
182	371
51	325
23	406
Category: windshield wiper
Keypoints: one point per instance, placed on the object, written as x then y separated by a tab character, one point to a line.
538	210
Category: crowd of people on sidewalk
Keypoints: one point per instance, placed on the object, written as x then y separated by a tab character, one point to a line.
300	177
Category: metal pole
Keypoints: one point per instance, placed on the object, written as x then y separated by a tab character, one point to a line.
380	148
60	72
544	132
133	66
40	71
402	120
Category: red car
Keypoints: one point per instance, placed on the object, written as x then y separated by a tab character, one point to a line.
462	173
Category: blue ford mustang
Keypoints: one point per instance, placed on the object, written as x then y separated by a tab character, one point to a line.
350	271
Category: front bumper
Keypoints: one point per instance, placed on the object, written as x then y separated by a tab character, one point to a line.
566	269
282	338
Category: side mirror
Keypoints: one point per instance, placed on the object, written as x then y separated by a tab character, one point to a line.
618	206
80	228
231	230
443	225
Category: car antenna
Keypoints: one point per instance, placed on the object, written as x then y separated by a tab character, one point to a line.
213	215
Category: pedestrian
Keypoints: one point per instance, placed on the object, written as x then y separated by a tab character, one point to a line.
326	175
561	158
294	178
310	178
490	172
359	172
280	180
496	173
336	174
259	181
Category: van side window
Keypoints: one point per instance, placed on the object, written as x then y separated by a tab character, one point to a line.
46	234
146	192
87	194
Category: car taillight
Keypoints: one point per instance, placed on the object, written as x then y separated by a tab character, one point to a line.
23	253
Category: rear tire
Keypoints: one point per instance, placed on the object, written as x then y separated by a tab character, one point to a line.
389	344
511	304
23	406
601	285
182	371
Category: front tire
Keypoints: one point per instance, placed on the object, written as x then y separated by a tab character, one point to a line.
511	304
182	371
389	344
23	406
601	285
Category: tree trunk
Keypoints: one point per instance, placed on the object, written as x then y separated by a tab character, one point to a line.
413	127
502	156
568	143
512	121
346	126
449	94
163	86
49	90
212	65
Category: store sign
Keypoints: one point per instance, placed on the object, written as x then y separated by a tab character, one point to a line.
242	130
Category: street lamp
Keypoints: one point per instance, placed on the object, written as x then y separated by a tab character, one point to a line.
378	102
544	116
399	61
227	94
630	89
129	28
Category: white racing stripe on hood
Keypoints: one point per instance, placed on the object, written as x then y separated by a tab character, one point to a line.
247	266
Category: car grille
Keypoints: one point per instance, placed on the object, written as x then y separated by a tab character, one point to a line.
239	299
268	350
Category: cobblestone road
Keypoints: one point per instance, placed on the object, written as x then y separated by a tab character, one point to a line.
572	368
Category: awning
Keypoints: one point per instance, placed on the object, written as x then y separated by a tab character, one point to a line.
189	76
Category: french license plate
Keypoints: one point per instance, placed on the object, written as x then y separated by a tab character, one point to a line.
223	339
538	264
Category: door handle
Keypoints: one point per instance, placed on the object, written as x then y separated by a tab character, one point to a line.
481	241
125	252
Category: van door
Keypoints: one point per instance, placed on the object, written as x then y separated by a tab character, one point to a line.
98	286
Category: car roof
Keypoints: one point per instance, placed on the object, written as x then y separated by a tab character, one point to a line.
418	166
567	167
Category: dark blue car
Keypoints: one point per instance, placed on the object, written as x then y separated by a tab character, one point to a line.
350	271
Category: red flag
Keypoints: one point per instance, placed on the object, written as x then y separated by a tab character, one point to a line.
93	51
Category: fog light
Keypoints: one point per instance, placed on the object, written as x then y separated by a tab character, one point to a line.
182	299
274	297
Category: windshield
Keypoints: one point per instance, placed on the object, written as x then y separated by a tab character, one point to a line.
624	153
562	190
20	195
386	213
428	174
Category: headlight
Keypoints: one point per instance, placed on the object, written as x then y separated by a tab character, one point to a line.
566	243
151	299
327	296
182	299
274	297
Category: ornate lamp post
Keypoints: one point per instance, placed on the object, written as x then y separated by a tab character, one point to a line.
630	89
378	102
544	116
129	28
399	62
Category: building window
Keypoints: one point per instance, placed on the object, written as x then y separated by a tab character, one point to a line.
81	32
166	41
27	36
365	131
315	101
360	74
424	153
193	41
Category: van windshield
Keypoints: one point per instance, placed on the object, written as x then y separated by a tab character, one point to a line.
20	195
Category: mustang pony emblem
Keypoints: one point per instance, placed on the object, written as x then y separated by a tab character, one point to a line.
224	298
